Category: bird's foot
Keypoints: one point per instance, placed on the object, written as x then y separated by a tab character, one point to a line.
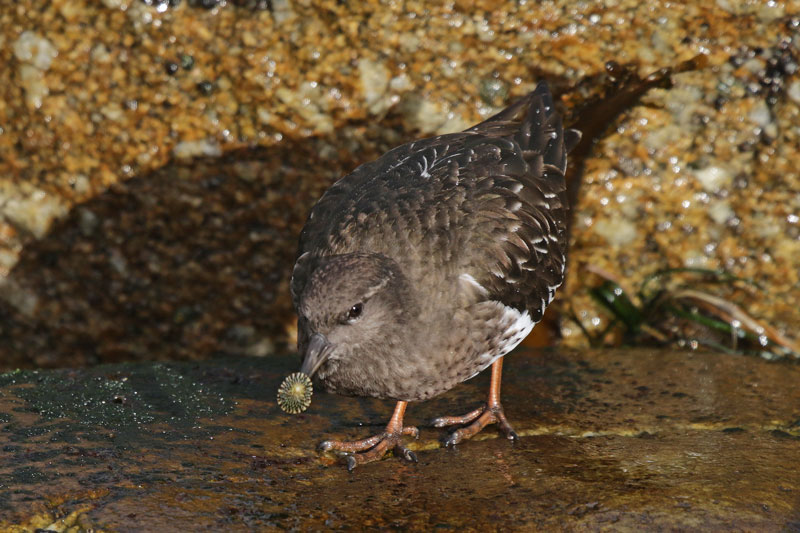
477	420
373	448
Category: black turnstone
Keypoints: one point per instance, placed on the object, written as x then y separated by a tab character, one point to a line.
422	268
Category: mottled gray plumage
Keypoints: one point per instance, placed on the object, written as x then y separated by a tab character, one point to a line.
416	271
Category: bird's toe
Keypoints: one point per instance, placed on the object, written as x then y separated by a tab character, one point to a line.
444	421
504	425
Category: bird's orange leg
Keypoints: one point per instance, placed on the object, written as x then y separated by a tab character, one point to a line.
374	448
481	417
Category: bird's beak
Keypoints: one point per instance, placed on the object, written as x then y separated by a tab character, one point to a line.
317	352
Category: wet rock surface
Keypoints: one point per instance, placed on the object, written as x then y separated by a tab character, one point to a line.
698	175
609	440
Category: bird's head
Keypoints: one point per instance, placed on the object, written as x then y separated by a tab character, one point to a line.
351	303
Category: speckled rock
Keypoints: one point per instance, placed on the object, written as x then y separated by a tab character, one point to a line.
701	174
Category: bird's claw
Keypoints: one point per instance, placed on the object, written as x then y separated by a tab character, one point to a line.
405	453
452	439
326	446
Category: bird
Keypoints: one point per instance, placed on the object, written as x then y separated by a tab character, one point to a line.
426	266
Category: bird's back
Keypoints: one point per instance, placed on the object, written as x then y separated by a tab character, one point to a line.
487	205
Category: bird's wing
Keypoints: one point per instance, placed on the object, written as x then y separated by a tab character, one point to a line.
500	183
522	227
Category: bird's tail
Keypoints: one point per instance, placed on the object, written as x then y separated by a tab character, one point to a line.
536	126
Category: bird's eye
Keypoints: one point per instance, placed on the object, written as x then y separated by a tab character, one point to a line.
355	311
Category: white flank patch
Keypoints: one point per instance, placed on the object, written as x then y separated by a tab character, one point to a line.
518	326
521	325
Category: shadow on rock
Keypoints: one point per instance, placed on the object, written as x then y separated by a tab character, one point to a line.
188	262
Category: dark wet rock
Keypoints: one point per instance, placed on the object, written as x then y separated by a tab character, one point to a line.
205	87
606	443
171	67
206	4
